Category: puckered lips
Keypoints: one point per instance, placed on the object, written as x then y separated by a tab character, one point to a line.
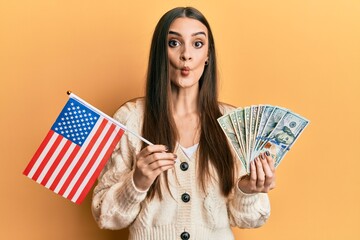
185	71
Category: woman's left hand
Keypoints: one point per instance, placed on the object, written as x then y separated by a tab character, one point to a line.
262	175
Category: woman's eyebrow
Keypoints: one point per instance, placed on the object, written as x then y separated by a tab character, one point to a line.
175	33
199	33
194	34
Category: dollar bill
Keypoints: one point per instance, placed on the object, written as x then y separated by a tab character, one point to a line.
235	124
253	121
226	125
264	118
270	125
285	134
259	113
258	128
247	121
241	124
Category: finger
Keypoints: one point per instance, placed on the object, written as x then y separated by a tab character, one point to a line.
152	149
270	161
161	169
160	156
266	166
144	163
260	173
161	163
268	173
253	175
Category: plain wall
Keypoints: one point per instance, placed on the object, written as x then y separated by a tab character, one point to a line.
303	55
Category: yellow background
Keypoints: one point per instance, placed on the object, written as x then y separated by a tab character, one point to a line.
303	55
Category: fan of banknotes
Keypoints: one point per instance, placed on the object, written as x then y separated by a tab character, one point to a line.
254	129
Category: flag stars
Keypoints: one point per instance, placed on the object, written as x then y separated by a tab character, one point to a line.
75	122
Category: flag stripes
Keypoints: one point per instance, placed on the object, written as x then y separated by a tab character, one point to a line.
69	169
92	171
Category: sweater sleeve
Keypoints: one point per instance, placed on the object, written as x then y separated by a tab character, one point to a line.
116	201
248	210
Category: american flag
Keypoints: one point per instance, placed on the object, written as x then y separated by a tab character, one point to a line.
74	151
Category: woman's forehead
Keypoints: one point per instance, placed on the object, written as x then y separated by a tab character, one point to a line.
187	26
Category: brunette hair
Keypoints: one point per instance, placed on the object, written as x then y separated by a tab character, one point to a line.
159	126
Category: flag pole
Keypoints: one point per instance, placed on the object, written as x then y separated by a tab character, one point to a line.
72	95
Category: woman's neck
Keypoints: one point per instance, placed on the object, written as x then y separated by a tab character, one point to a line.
185	101
186	116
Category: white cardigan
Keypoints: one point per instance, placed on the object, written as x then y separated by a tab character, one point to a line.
207	215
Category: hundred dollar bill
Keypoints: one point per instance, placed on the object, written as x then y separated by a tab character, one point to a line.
284	135
258	118
226	126
247	118
270	125
264	118
236	127
241	124
253	121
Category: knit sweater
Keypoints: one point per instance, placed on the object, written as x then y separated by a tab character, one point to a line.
186	212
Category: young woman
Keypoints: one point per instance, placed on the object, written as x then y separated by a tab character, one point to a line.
188	185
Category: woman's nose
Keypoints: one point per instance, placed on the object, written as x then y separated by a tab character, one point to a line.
185	54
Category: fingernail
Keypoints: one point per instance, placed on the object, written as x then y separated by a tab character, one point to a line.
267	153
175	156
166	148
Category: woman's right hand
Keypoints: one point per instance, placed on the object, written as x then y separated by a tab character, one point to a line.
150	162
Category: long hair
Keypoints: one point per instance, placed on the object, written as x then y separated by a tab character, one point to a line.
159	126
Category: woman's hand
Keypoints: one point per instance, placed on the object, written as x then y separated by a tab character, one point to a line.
150	162
262	175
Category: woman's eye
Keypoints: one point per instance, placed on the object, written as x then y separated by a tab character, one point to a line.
198	44
173	43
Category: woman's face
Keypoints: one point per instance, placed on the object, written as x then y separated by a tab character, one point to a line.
187	51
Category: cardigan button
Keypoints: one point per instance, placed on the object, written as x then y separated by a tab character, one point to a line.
185	236
184	166
185	197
